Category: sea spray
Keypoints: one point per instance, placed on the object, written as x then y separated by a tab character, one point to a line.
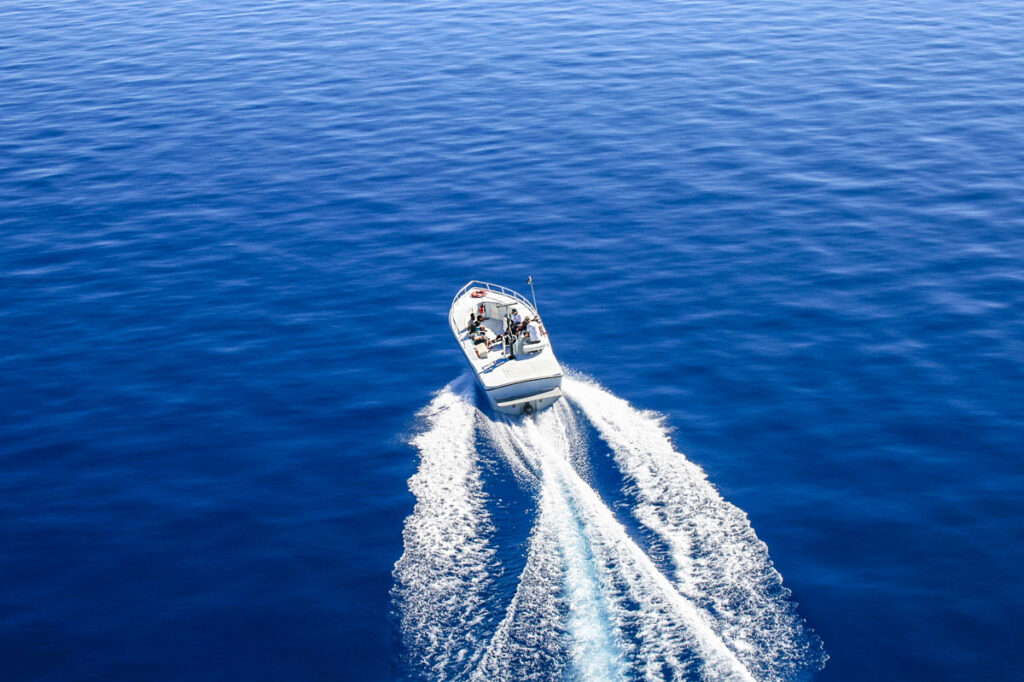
531	639
720	564
590	603
593	637
443	584
669	628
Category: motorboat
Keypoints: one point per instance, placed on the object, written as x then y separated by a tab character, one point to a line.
507	347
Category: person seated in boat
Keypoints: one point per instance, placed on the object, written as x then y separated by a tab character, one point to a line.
533	331
517	321
509	327
478	332
479	326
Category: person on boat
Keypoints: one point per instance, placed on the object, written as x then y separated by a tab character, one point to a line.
517	320
477	331
533	330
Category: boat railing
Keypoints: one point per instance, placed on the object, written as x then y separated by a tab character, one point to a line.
475	284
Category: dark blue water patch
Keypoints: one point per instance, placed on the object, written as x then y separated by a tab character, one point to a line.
230	236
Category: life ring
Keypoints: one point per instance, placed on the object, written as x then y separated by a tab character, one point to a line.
479	293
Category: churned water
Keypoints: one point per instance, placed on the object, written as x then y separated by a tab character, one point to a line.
779	244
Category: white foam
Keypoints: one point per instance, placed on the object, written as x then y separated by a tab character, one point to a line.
611	584
590	603
592	638
531	638
720	564
670	628
443	579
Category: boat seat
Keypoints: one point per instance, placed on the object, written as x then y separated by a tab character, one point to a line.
533	347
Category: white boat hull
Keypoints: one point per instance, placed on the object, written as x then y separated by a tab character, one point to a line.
522	381
526	397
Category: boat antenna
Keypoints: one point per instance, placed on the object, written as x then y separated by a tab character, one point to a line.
529	280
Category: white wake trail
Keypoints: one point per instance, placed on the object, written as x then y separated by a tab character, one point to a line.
531	639
560	577
443	579
590	603
720	564
612	584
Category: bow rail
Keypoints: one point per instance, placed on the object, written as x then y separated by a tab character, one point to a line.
476	284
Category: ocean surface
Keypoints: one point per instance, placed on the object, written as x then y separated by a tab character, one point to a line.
779	248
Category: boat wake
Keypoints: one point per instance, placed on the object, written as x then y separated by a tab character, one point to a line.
667	582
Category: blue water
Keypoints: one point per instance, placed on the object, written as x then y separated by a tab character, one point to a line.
231	231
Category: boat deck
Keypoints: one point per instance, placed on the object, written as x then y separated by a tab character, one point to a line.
496	369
